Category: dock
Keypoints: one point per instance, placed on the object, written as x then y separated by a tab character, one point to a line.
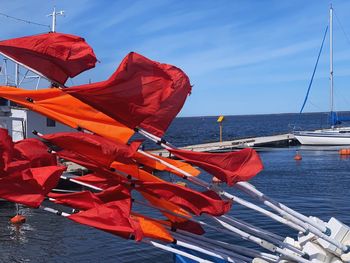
280	140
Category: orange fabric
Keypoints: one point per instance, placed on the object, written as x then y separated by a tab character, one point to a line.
161	167
153	229
68	110
135	171
166	205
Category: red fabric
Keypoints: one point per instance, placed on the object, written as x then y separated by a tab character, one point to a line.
94	147
229	167
86	200
112	217
55	55
99	180
35	152
30	186
189	226
158	123
138	90
82	200
6	150
91	165
193	201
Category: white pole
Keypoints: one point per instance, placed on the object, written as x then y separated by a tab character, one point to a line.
289	219
249	252
54	20
252	191
176	251
16	75
263	243
54	14
155	244
205	251
331	56
227	195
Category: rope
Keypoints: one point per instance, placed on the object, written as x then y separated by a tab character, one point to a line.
313	73
23	20
342	28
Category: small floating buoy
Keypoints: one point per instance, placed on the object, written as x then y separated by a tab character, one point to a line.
344	151
18	219
297	157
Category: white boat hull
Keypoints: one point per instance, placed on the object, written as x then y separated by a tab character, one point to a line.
340	136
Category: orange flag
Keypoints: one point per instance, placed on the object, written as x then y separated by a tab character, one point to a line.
161	167
135	171
152	228
57	105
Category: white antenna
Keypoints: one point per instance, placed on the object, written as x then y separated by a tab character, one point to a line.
54	14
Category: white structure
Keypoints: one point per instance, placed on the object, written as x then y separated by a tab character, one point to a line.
20	123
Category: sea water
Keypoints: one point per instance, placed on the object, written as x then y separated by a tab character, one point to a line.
318	185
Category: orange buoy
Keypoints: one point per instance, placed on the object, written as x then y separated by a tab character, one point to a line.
344	151
297	157
18	219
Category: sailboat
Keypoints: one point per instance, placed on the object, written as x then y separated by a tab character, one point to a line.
334	135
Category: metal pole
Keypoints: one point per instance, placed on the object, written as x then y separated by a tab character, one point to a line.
16	75
220	131
331	59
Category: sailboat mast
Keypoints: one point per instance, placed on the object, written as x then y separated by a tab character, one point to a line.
331	61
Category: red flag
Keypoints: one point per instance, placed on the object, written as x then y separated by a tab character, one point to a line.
112	217
81	200
136	92
35	152
158	123
6	149
101	150
193	201
55	55
86	200
178	217
101	181
30	186
229	167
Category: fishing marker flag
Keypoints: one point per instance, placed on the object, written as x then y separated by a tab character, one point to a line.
229	167
141	92
188	199
30	186
61	107
54	55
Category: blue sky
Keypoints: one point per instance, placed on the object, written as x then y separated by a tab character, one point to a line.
243	57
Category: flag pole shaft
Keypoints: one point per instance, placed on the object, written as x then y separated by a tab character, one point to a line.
205	251
292	220
249	226
277	206
242	202
263	243
225	253
176	251
258	233
167	211
249	252
153	243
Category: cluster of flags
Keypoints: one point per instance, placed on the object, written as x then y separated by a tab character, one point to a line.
140	95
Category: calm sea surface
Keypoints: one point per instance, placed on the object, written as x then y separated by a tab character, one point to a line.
318	185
